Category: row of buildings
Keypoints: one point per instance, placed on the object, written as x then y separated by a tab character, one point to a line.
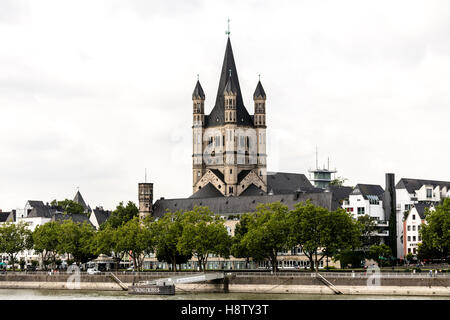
229	172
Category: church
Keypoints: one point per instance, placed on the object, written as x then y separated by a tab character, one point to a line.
229	158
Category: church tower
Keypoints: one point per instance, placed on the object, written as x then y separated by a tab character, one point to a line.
229	144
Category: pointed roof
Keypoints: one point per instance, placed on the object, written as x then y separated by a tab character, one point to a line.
230	88
217	116
259	92
79	199
198	91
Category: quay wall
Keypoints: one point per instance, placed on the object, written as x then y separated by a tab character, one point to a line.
419	286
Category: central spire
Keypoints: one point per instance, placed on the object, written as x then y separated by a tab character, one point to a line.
229	71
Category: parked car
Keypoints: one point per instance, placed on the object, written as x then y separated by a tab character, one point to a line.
93	271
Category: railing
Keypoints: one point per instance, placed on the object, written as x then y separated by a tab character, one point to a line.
386	275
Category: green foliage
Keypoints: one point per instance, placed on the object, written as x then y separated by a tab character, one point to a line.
122	214
339	181
267	232
368	226
168	231
322	233
15	237
136	239
46	241
76	239
203	234
70	207
380	253
436	232
352	258
238	247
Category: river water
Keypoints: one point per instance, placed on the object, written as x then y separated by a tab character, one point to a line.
38	294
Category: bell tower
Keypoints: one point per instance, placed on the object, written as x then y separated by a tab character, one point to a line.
259	99
198	125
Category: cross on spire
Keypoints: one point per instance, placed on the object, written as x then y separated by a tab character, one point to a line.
228	32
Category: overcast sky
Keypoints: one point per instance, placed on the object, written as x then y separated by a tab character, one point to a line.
93	92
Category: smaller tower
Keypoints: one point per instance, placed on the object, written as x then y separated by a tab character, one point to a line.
259	97
321	177
198	100
229	94
145	199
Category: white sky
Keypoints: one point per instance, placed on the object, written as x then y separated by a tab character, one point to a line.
92	92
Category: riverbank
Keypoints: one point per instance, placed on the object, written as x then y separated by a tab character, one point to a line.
395	285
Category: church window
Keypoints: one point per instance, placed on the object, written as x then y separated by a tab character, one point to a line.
231	171
226	116
230	189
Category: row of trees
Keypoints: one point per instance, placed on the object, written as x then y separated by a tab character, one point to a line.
260	236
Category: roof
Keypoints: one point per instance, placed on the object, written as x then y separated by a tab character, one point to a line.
243	204
80	218
198	91
340	193
79	199
368	190
259	91
218	174
230	88
420	208
217	115
36	203
4	216
101	215
252	190
208	191
283	182
411	185
44	212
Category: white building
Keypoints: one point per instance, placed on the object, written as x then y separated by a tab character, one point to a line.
412	224
367	199
418	193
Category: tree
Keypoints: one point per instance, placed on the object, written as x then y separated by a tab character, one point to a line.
339	181
14	238
341	232
203	234
321	233
168	231
122	214
380	253
436	232
76	239
136	239
368	227
46	241
106	241
70	207
268	232
238	247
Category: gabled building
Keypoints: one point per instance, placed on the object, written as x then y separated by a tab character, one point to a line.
99	216
417	193
412	223
367	199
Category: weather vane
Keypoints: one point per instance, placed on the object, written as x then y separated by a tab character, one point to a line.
228	32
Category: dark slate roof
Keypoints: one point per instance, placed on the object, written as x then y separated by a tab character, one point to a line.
238	205
420	207
230	88
79	199
283	182
217	116
259	91
252	190
198	91
208	191
36	203
241	176
4	216
101	215
370	190
45	212
411	185
340	193
218	174
74	217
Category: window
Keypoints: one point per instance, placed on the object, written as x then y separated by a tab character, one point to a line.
361	210
420	238
414	238
409	228
429	193
418	228
414	217
409	238
409	250
414	228
231	171
414	250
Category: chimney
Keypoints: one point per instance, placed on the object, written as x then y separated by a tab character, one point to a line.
390	211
